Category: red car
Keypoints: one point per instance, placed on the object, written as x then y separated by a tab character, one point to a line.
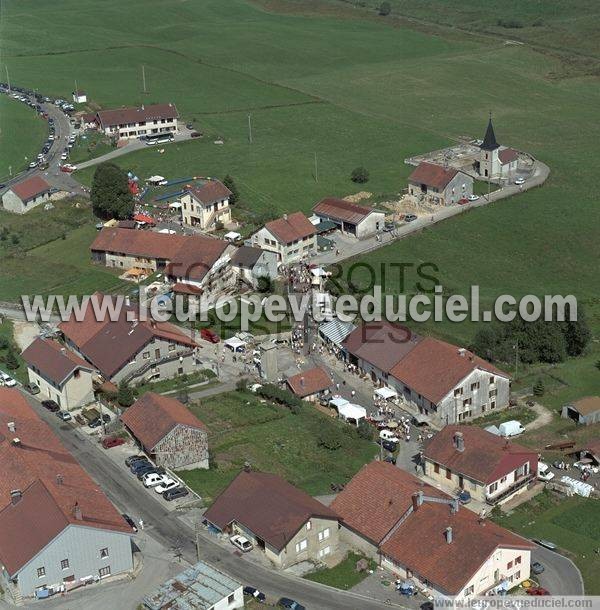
112	441
463	201
209	335
66	168
537	591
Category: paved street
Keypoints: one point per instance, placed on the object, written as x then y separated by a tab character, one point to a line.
561	576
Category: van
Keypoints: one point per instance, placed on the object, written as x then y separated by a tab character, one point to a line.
511	428
388	435
543	472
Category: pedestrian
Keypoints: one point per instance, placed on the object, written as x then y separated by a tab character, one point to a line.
353	393
141	524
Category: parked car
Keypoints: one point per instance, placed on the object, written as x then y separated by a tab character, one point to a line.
7	380
286	602
173	494
95	423
135	458
51	405
196	134
409	217
537	591
154	478
139	464
255	593
143	468
511	428
32	388
545	543
464	497
537	567
463	201
390	459
543	472
389	226
388	435
64	415
520	181
130	522
391	446
148	470
242	543
166	485
209	335
112	441
473	197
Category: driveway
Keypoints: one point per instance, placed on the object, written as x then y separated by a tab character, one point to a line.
560	576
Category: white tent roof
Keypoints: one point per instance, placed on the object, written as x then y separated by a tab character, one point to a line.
385	393
318	271
352	411
338	401
156	179
175	205
234	342
232	235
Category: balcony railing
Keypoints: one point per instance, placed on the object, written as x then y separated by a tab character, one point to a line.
522	482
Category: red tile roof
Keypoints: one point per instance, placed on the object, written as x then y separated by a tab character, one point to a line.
486	456
52	483
268	506
434	368
153	416
111	344
507	155
210	192
376	497
310	382
53	360
420	545
188	256
340	209
122	116
432	175
30	188
382	344
291	228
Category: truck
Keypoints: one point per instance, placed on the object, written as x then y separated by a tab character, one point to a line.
511	428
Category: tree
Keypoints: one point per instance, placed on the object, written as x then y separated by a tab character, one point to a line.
11	359
264	283
110	194
359	175
229	182
125	396
577	334
385	9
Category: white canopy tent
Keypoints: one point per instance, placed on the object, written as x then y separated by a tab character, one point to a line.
232	236
155	179
235	344
352	413
337	401
385	393
176	205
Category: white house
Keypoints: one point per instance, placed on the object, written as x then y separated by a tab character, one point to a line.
127	123
351	218
205	205
26	195
251	264
496	161
79	97
439	185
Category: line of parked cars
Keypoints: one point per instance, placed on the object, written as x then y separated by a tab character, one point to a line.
155	477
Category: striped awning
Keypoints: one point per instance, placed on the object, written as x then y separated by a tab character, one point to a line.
335	330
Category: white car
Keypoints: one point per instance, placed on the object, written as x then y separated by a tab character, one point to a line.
242	543
473	197
520	181
33	164
64	156
7	380
543	472
153	478
388	435
166	485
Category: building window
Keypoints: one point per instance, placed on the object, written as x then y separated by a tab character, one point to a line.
493	404
41	572
64	564
325	551
436	468
448	473
308	525
493	487
474	386
518	575
509	565
458	392
301	546
146	355
103	553
103	572
470	590
491	379
324	534
518	560
172	347
493	393
231	599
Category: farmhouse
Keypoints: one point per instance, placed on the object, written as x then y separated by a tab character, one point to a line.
285	523
496	161
439	381
57	529
127	123
309	385
492	469
251	264
292	238
206	204
420	533
26	195
128	348
197	261
60	374
584	411
79	97
168	432
350	218
439	185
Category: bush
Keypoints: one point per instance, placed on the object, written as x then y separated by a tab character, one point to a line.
125	395
385	9
330	438
241	385
359	175
283	397
365	430
510	24
538	388
11	360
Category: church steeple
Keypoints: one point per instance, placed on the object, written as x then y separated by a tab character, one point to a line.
489	141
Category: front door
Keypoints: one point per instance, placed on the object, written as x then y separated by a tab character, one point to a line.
461	482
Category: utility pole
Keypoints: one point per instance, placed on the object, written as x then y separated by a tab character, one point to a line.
7	78
144	78
316	169
517	359
250	128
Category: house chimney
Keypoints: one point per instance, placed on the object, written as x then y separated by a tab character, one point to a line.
454	506
459	441
461	351
16	441
77	512
11	426
302	381
247	467
127	301
420	497
63	350
285	217
59	479
15	496
448	535
415	502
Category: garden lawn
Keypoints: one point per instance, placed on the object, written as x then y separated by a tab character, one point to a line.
7	335
571	523
242	428
343	575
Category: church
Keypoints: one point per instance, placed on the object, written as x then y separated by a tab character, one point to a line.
495	161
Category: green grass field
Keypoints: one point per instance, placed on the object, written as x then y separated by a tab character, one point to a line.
343	575
570	523
22	133
244	428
